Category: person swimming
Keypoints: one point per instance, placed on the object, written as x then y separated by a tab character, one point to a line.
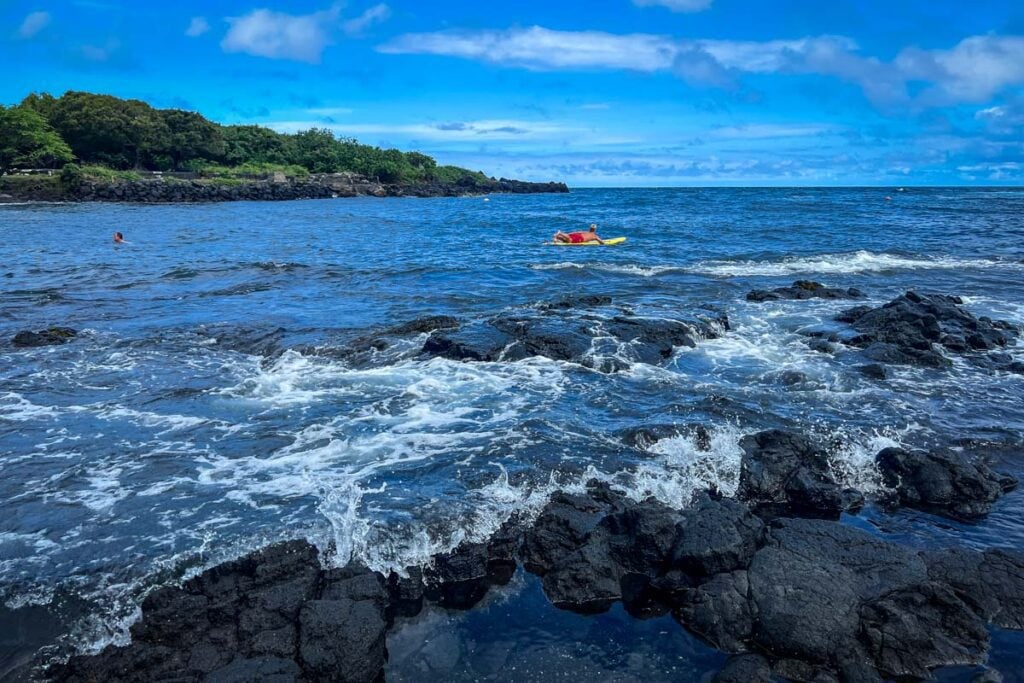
118	238
578	237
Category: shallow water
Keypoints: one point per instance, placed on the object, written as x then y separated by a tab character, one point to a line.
184	427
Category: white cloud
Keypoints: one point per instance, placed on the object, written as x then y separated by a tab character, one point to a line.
197	27
974	70
374	15
276	35
303	37
765	131
454	131
33	24
543	49
676	5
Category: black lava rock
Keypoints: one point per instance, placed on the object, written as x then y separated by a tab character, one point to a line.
49	337
747	668
786	472
716	536
943	483
915	328
801	290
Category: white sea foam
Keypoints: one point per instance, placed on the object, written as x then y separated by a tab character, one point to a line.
844	263
17	408
622	269
833	264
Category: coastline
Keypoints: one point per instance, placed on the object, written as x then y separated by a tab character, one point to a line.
169	189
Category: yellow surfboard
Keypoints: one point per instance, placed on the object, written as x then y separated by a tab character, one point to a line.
607	243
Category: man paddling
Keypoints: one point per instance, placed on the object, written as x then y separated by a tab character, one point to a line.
579	237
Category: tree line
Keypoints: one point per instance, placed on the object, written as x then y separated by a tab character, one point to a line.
44	131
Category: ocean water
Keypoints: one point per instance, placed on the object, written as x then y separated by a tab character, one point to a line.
189	423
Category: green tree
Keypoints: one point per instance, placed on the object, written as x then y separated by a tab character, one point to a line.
42	103
317	149
253	145
27	140
190	136
108	130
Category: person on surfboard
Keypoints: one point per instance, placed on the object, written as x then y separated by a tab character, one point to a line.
578	237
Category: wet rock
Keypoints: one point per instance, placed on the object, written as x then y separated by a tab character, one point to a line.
874	371
423	325
342	640
581	301
648	435
943	483
913	328
561	528
552	331
49	337
791	378
443	346
549	338
255	341
641	538
810	580
271	615
502	550
458	579
802	290
261	670
715	536
991	583
406	592
721	611
587	580
748	668
821	345
672	588
785	471
909	631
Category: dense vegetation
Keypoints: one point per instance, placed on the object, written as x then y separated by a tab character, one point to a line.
124	135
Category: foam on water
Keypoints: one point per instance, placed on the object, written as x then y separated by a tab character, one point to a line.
620	269
846	263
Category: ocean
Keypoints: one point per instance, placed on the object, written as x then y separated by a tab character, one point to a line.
207	407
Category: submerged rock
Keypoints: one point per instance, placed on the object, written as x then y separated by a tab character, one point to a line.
802	290
943	483
915	328
51	336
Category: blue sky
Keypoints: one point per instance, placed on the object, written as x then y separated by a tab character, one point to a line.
597	93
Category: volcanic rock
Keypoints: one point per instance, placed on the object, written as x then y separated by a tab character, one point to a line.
913	328
49	337
802	290
943	483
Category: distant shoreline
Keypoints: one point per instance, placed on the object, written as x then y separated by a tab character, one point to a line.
170	190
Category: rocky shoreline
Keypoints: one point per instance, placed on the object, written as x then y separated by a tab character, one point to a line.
773	578
777	577
323	186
